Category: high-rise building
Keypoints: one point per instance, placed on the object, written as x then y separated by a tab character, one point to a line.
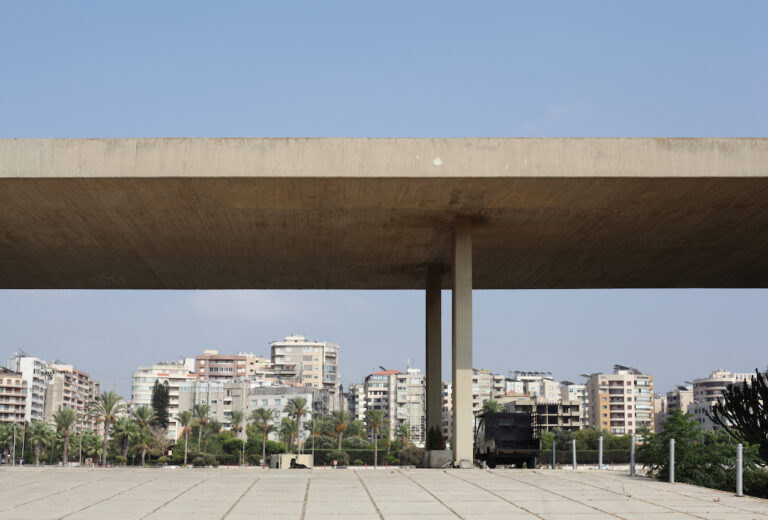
13	396
549	414
679	398
707	390
356	401
315	363
575	392
660	411
32	370
486	386
621	402
69	387
212	366
402	398
447	424
175	374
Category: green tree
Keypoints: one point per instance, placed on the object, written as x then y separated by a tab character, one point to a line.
144	417
492	406
355	428
202	414
6	440
297	408
404	434
124	432
161	399
106	409
340	421
263	419
289	430
65	419
742	411
40	436
374	419
185	420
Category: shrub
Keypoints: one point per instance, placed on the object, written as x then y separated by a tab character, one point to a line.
254	459
204	460
120	460
355	443
357	462
392	460
411	456
341	457
162	460
198	462
435	440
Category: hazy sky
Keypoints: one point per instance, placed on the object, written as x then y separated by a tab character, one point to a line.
355	69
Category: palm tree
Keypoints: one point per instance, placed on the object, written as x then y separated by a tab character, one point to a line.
236	420
340	420
124	431
492	406
297	408
374	419
106	409
289	430
65	418
185	420
404	432
201	413
262	419
144	417
40	436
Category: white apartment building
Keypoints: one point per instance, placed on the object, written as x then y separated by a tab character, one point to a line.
13	397
316	364
486	386
356	401
32	371
621	402
68	387
175	374
402	397
706	391
447	424
539	385
570	391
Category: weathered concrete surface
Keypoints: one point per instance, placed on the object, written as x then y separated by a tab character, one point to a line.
122	494
372	213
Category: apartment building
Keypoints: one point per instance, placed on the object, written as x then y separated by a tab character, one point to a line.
660	411
69	387
447	424
570	391
13	396
212	366
548	414
315	363
175	374
356	401
621	402
225	397
402	397
535	384
486	386
707	390
32	371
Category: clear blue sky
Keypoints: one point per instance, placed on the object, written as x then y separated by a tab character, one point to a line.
108	69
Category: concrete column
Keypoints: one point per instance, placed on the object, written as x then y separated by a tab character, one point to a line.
434	347
463	419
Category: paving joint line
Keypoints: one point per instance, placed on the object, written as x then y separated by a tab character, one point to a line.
370	497
241	497
49	496
306	497
449	508
158	508
496	495
636	498
108	498
557	494
605	477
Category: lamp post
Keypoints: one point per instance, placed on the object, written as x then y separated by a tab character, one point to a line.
13	455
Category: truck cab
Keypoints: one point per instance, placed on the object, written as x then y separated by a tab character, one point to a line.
507	438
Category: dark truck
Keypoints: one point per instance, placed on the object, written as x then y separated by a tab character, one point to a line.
507	438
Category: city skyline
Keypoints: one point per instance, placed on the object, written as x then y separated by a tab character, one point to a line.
370	342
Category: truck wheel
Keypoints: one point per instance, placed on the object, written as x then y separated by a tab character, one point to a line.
491	462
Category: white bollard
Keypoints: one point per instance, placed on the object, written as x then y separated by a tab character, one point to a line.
573	443
671	461
632	456
739	469
600	453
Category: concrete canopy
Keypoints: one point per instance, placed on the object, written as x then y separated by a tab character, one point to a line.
372	213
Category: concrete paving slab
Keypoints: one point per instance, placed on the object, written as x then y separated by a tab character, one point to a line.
391	494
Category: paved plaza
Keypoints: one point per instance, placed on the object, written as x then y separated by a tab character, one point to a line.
365	494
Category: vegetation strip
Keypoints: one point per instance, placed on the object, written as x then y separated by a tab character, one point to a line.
241	497
635	498
496	495
370	497
557	494
306	497
449	508
108	498
190	488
